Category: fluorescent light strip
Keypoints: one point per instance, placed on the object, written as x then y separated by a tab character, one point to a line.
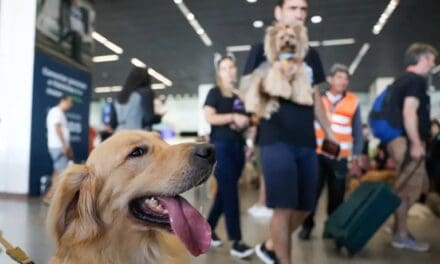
193	22
105	58
137	62
160	77
338	42
108	89
385	16
314	43
107	43
359	58
158	86
238	48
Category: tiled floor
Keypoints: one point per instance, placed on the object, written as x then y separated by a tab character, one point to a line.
22	222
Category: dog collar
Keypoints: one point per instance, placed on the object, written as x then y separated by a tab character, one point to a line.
286	56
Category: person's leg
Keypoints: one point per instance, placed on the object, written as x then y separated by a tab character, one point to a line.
60	163
310	186
411	182
231	198
336	184
396	150
216	210
279	169
280	234
222	169
309	222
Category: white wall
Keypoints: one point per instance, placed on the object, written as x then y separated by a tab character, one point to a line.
17	43
181	113
435	104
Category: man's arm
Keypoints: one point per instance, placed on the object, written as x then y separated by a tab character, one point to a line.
358	139
60	135
411	123
320	114
67	150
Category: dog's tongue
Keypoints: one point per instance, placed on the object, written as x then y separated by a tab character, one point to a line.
188	224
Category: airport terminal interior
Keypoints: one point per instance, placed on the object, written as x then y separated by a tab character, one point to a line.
219	131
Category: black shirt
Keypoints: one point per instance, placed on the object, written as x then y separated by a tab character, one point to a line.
224	105
293	123
414	85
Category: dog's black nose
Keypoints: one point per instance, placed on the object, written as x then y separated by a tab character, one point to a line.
205	151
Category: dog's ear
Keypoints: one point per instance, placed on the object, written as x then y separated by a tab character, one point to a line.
270	48
303	40
73	209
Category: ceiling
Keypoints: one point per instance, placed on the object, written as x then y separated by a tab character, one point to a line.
156	32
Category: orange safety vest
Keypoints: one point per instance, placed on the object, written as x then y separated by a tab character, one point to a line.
340	118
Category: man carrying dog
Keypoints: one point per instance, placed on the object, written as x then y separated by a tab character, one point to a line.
343	111
287	143
409	95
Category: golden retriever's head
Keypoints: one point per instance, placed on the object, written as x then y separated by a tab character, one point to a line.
283	38
130	185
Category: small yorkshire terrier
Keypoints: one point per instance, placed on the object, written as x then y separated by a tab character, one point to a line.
286	47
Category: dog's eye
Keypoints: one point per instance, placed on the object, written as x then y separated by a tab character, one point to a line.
137	152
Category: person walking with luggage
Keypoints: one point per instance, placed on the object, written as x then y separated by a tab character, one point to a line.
287	143
409	95
225	112
343	110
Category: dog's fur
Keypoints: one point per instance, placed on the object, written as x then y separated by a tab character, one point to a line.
267	86
89	214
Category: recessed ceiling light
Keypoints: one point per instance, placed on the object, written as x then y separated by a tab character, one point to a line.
190	16
258	24
251	1
177	1
316	19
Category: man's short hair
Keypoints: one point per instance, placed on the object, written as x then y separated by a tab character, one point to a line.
416	50
280	3
65	97
337	67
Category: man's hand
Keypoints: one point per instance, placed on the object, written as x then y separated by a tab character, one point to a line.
354	169
417	151
67	150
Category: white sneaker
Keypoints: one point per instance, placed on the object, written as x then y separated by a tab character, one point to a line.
215	241
260	211
411	244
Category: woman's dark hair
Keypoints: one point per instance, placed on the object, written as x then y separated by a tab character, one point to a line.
137	78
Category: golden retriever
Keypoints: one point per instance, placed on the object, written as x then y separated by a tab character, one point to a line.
285	47
123	206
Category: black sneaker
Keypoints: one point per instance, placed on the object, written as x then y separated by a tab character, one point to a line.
215	240
304	234
241	250
266	255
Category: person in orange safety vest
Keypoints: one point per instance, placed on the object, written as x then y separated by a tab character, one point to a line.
343	112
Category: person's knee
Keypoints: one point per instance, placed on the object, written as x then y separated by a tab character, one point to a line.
283	213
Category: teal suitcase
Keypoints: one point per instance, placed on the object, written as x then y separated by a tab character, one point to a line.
356	220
